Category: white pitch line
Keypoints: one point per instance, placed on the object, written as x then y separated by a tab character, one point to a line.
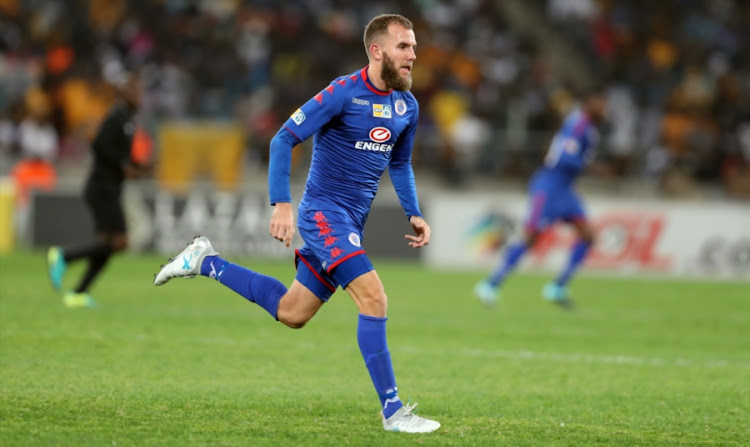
525	354
520	354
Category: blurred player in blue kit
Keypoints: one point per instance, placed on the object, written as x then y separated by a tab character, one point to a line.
361	124
554	199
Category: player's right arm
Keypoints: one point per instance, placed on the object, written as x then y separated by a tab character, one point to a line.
567	153
303	123
282	223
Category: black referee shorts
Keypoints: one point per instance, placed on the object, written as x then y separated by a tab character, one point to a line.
106	208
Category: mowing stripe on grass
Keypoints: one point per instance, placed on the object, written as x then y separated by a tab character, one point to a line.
520	354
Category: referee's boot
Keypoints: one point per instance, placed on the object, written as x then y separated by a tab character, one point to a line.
55	267
74	300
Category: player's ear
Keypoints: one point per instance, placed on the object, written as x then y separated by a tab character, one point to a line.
375	52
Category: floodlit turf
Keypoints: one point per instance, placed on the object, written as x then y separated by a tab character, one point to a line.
639	362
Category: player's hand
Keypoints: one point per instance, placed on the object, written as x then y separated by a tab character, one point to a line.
282	223
421	230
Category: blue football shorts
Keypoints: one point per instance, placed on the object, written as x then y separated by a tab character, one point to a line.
550	205
332	254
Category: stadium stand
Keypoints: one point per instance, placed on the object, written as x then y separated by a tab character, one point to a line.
493	77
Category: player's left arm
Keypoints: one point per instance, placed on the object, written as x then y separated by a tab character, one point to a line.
402	177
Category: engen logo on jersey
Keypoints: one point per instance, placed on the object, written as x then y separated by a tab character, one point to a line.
378	135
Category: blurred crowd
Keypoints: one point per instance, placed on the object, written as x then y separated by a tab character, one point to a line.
679	77
677	74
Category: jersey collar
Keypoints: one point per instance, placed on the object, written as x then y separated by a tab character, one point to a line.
370	85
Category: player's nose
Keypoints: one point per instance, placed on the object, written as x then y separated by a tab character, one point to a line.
411	54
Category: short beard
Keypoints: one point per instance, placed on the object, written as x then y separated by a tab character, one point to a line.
392	79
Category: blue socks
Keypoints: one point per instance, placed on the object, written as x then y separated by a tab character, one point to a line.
515	252
374	349
512	255
262	290
577	255
267	292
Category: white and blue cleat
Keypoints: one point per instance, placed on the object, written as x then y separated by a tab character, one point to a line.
557	294
487	293
406	421
188	263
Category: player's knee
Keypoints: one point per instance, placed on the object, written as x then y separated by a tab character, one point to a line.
292	323
377	298
368	293
294	320
374	303
291	315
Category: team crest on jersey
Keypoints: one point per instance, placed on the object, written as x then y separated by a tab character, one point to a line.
381	110
298	117
400	107
354	239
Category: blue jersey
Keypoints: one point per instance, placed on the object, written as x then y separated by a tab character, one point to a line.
569	152
358	131
552	196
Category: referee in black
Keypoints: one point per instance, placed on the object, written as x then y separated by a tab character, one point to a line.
112	164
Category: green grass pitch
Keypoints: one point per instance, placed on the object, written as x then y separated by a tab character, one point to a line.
637	363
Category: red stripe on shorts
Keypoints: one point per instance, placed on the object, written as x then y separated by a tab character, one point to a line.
537	205
320	278
350	255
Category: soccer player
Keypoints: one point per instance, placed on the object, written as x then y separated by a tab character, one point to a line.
553	199
362	123
111	165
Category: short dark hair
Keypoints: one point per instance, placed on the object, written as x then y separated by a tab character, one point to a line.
379	25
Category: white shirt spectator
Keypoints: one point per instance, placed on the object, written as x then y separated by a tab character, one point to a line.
38	140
